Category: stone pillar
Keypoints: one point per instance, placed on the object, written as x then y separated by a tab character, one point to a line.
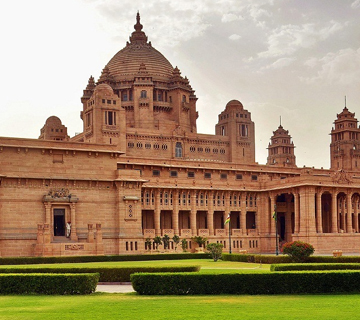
193	213
90	238
271	214
210	214
40	234
318	212
343	211
334	224
175	213
349	227
99	240
356	213
73	234
157	213
47	212
264	219
288	230
307	210
243	213
47	235
227	212
296	213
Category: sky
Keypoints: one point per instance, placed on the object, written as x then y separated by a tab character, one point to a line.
292	59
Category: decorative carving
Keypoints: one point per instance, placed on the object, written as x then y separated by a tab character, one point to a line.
341	176
74	247
59	193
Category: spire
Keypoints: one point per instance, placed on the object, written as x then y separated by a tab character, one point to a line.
91	84
138	36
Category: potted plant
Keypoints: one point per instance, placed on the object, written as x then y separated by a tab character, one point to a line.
200	241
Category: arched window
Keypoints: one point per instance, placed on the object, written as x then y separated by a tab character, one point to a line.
183	98
178	150
143	94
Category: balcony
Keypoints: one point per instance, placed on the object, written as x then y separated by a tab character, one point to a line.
149	233
203	232
186	233
220	232
236	232
169	232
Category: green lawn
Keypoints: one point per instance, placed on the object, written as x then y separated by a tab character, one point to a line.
131	306
207	266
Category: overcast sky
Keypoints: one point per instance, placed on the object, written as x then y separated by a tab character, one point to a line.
295	59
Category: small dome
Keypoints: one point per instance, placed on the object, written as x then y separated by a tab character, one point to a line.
104	89
53	121
234	104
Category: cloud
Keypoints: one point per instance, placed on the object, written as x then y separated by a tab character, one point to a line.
342	67
355	4
280	63
234	37
229	17
287	39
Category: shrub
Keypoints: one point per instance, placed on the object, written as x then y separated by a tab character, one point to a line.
293	282
176	240
48	283
314	266
107	274
298	251
166	241
199	240
157	241
255	258
184	245
215	250
148	244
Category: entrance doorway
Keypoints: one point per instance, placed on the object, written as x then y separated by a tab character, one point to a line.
59	222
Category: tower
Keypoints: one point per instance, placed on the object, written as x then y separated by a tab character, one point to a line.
345	143
281	149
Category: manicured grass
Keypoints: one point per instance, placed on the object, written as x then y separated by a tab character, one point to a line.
131	306
207	266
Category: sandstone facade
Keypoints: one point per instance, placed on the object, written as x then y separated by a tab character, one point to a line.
139	169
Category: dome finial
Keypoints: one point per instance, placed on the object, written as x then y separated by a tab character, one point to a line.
138	36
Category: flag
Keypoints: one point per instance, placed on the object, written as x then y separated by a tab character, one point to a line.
275	215
227	220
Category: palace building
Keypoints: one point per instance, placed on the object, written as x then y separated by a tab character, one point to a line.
140	169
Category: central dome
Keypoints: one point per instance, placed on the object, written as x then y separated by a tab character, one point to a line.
126	63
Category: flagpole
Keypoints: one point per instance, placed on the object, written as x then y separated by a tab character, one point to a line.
230	237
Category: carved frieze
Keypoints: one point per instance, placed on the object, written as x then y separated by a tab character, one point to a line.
341	177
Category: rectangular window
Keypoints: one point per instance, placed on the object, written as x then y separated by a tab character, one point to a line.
110	118
239	176
223	176
156	173
191	174
173	173
207	175
254	178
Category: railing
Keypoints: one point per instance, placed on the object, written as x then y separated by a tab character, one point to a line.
236	232
186	232
220	232
149	233
169	232
203	232
251	232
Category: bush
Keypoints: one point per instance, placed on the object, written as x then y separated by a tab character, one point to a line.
314	266
199	240
48	283
215	250
80	259
255	258
298	251
106	274
293	282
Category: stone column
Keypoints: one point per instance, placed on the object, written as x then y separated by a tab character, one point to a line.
342	209
271	214
349	227
243	213
157	213
90	238
334	224
318	212
296	213
175	213
193	213
356	218
210	214
47	212
73	234
288	230
227	212
307	209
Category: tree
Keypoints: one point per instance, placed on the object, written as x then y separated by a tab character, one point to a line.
215	249
157	241
148	244
184	245
298	251
166	241
176	240
199	240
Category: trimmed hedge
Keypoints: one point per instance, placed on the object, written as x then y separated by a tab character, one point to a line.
256	258
48	283
314	266
293	282
107	274
270	259
79	259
